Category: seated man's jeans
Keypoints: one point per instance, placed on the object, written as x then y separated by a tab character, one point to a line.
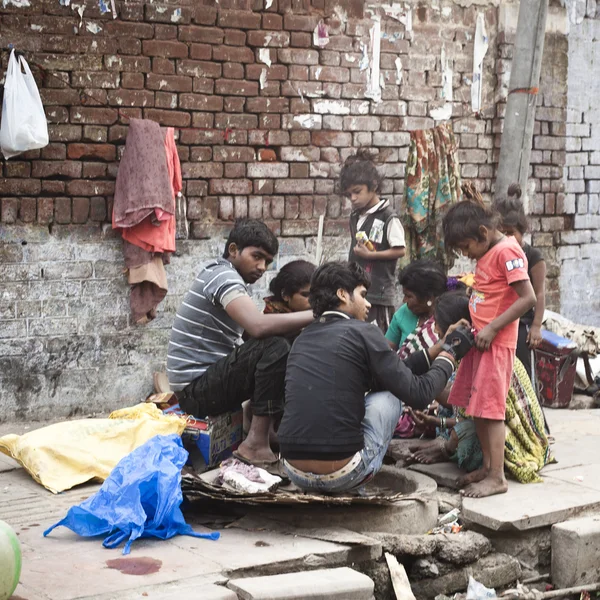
382	411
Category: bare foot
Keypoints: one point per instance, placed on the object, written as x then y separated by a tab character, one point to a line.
254	454
432	453
487	487
472	477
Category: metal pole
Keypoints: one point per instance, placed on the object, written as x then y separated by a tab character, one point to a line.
515	151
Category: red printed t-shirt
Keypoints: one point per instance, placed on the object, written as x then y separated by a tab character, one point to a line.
503	264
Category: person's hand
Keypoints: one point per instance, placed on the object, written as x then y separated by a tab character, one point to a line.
534	337
362	251
420	418
484	339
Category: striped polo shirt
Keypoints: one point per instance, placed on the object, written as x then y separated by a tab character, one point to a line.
202	331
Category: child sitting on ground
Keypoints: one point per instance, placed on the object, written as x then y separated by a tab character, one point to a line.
514	222
290	288
502	294
380	240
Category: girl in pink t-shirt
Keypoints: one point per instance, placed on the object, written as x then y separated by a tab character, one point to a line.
502	293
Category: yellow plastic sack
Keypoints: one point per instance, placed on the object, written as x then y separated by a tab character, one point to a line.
67	454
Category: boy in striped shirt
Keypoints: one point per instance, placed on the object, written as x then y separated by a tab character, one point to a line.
209	368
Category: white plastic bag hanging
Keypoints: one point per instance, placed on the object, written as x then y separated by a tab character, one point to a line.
24	126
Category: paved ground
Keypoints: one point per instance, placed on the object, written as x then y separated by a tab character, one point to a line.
64	566
570	487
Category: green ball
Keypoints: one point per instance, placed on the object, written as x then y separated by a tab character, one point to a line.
10	561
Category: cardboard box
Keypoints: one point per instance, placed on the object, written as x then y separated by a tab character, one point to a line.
215	437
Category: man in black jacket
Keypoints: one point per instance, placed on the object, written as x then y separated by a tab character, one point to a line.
332	436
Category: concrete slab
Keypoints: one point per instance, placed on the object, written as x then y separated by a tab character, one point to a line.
585	476
323	584
573	453
444	474
527	506
576	552
210	587
200	590
266	552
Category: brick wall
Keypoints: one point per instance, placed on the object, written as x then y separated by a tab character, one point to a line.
270	152
580	250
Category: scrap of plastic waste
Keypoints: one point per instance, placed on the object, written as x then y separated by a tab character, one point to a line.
93	27
141	498
247	478
448	523
103	6
478	591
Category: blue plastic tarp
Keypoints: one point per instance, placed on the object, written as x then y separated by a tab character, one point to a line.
141	498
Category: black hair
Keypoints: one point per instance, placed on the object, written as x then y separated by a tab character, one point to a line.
331	277
450	308
292	278
424	278
360	169
463	220
512	211
251	232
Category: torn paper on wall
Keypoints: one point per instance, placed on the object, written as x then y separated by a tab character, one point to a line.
374	86
93	27
444	112
64	2
103	6
264	55
398	64
306	121
268	3
363	65
481	47
17	3
340	13
263	79
400	13
318	72
350	58
321	35
576	10
80	10
114	9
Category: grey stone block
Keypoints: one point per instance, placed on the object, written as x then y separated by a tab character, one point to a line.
406	545
462	548
494	571
325	584
576	552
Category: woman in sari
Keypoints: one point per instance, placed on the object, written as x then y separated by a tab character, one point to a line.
526	448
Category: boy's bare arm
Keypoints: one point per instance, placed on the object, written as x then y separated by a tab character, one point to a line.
525	301
245	313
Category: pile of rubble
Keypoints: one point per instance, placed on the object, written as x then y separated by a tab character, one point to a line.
442	563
